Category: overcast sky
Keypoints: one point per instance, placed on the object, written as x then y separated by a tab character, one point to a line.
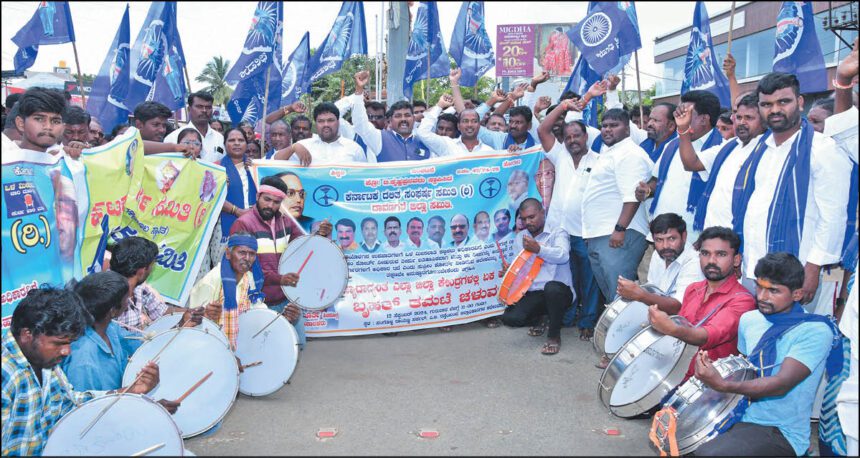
218	28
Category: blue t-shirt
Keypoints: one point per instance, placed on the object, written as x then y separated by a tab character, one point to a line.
808	343
93	366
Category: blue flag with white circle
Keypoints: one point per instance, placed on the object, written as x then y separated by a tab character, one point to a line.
700	68
605	36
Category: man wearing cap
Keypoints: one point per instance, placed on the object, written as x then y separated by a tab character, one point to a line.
273	231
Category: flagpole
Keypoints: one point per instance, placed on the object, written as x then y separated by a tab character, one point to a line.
80	78
638	87
731	27
265	104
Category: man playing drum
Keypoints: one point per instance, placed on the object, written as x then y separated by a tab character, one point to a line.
791	349
228	288
714	306
272	231
551	290
36	392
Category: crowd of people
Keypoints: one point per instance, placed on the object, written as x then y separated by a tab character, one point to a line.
736	214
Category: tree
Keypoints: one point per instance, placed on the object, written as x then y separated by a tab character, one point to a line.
213	76
328	88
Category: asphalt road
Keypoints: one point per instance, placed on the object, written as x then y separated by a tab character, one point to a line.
485	391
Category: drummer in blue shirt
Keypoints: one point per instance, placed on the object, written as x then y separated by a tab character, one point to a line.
791	349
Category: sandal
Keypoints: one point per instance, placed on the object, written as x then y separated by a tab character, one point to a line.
604	361
492	322
551	347
586	334
540	329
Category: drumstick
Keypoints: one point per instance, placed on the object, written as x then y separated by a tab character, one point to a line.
194	387
149	450
130	327
266	326
500	252
255	363
305	263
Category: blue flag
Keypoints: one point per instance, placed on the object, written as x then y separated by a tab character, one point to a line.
605	36
700	69
260	58
347	38
294	73
157	60
470	44
797	50
51	24
425	46
580	80
111	85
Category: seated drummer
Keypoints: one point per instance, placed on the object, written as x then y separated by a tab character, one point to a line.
791	348
673	269
717	302
134	259
99	357
551	292
36	392
228	289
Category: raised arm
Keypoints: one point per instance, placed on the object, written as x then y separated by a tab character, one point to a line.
729	69
454	78
547	139
438	144
295	107
370	134
683	117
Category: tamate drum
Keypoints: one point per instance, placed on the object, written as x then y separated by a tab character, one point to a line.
519	276
322	268
269	346
621	320
167	322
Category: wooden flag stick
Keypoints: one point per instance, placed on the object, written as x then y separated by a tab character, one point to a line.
639	87
80	78
731	28
263	115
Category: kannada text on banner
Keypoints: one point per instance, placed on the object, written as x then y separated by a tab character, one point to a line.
419	238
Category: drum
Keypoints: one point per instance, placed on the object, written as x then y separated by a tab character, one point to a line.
519	276
700	409
276	348
621	320
133	424
167	322
322	268
643	372
191	355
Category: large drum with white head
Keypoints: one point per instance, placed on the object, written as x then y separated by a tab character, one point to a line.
191	355
269	346
644	371
132	424
322	268
167	322
621	320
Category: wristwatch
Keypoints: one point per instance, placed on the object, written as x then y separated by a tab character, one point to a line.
620	228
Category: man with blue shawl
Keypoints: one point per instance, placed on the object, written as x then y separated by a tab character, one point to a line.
791	350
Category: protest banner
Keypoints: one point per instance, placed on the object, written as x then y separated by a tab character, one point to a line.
166	198
397	226
515	50
38	190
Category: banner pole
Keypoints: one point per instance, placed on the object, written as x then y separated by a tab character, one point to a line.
639	87
80	78
263	115
731	28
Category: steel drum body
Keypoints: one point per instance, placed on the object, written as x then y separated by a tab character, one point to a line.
621	320
646	369
190	356
700	409
133	424
167	322
323	279
277	347
519	277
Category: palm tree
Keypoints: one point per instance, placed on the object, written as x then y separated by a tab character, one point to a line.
213	75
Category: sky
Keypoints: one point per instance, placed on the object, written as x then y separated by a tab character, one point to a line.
219	28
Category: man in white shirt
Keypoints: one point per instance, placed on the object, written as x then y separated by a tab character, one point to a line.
550	292
200	111
573	161
613	222
721	163
369	232
481	228
674	189
414	231
329	147
468	126
816	193
392	235
674	268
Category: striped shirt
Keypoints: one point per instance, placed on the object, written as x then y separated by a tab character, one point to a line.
147	307
210	289
31	409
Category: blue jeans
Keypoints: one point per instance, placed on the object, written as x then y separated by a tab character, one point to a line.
608	263
300	324
585	285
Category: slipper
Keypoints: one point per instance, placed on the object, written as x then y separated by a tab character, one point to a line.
492	323
540	329
604	361
550	348
586	334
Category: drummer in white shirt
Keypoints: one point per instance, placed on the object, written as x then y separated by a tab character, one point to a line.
551	290
329	147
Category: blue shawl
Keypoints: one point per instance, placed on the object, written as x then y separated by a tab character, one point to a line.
655	149
509	140
702	206
788	207
228	276
697	185
234	193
